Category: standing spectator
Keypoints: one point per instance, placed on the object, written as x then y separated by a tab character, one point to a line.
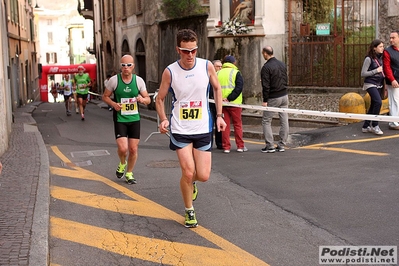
1	167
54	91
217	64
373	80
66	86
129	90
58	89
232	83
391	71
274	90
190	127
83	83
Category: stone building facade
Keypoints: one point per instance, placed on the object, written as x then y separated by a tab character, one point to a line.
22	51
388	19
129	28
18	63
5	88
141	29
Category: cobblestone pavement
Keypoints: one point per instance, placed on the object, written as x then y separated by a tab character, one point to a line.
24	194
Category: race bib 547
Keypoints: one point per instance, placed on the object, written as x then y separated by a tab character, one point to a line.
191	110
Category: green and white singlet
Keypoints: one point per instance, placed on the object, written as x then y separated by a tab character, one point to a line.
126	94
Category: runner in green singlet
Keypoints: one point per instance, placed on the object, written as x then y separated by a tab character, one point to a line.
83	83
129	90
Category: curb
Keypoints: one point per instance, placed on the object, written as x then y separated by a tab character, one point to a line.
39	245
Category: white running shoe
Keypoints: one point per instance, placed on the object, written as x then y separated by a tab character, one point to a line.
394	125
377	130
366	129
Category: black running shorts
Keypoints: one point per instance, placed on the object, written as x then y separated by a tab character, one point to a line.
129	130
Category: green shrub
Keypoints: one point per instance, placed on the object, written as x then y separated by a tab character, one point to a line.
182	8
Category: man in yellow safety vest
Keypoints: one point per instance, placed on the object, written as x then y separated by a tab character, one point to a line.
232	83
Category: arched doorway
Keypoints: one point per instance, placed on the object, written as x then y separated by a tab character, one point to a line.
141	68
125	48
140	55
69	69
108	58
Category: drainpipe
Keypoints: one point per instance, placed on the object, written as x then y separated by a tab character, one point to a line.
220	11
376	20
114	25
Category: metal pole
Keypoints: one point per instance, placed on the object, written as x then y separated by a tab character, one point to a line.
376	20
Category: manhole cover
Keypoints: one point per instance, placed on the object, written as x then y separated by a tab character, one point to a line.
78	164
89	153
164	164
69	164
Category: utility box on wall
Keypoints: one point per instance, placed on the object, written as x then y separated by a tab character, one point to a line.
305	29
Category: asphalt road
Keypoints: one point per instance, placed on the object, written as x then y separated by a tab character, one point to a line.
341	188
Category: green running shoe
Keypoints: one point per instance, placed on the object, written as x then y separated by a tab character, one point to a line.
195	191
120	171
191	221
130	179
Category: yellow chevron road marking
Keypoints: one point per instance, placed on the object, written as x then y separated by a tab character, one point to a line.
110	204
360	140
145	248
343	150
325	146
132	245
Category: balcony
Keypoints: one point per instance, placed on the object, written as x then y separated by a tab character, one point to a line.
85	9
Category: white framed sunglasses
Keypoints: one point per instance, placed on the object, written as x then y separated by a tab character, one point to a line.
188	51
126	65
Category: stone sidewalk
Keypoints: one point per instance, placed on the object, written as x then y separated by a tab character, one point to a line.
24	194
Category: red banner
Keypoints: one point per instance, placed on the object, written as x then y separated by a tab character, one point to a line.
55	69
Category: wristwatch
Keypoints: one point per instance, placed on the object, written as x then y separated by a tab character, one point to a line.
220	115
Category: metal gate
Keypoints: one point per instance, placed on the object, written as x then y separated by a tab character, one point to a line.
328	40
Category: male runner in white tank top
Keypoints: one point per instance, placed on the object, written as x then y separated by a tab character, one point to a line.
190	121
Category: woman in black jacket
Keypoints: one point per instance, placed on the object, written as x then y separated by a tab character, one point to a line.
373	75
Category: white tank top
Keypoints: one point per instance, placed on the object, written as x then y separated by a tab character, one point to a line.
190	109
68	87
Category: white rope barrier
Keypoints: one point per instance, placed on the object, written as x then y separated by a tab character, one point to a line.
384	118
96	94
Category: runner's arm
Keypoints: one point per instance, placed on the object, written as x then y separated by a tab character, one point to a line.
160	101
